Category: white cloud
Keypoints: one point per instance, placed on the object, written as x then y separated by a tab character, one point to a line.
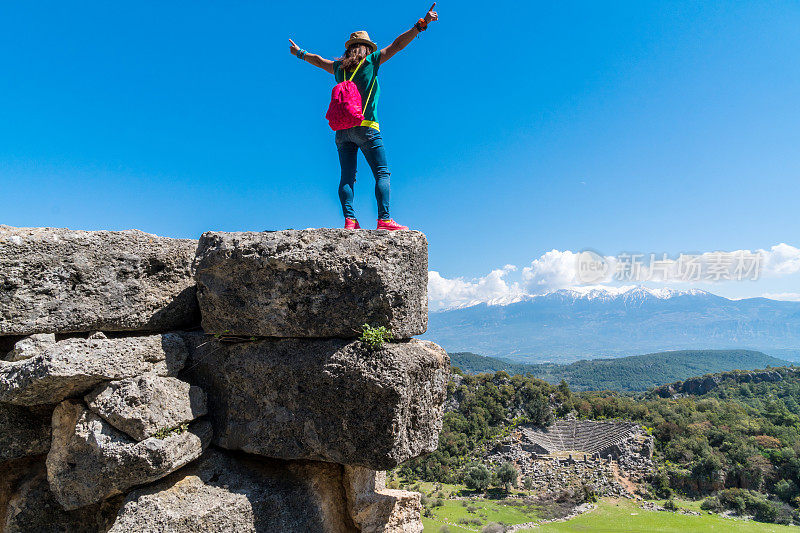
558	269
552	270
781	260
493	288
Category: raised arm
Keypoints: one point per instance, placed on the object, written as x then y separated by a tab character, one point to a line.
405	38
314	59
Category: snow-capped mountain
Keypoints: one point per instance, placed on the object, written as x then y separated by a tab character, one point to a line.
607	321
630	294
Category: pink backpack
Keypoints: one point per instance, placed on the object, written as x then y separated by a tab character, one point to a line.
345	110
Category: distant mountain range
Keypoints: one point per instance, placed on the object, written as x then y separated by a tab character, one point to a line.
571	324
634	373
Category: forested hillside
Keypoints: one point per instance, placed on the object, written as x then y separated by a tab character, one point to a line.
736	443
633	373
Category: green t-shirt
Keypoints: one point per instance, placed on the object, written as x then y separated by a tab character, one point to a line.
363	78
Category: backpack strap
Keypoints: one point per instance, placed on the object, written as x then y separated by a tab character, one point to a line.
371	85
356	70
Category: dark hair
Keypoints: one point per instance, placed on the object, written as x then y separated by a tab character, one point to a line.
353	56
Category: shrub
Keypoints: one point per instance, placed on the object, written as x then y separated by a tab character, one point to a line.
588	493
477	478
163	433
711	504
374	338
744	501
444	529
765	441
660	485
670	505
493	527
507	475
785	490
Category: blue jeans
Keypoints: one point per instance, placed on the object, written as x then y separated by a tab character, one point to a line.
369	140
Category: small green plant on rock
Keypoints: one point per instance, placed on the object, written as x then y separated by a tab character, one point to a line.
163	433
374	338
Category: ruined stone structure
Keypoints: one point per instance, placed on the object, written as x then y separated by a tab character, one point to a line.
610	456
153	384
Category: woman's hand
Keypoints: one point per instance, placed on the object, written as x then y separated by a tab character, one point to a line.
431	15
293	48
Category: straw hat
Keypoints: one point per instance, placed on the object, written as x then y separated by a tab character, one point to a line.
360	37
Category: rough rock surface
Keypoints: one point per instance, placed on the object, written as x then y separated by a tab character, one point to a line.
24	431
376	509
75	366
57	281
143	405
90	461
313	283
31	507
229	493
29	346
11	473
329	400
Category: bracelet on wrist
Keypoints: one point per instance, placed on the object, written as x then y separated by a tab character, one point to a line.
301	54
421	25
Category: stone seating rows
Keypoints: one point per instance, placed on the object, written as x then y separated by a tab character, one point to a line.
579	435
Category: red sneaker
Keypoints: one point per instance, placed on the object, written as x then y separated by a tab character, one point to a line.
390	224
351	223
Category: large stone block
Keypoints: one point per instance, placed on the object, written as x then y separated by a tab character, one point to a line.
329	400
30	346
53	372
376	509
229	493
313	283
27	505
90	461
24	431
58	280
144	405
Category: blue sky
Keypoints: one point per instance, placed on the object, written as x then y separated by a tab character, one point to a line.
512	130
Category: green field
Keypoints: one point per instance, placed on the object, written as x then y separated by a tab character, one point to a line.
485	511
610	516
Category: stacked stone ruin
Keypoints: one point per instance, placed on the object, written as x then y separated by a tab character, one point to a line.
585	436
154	384
571	452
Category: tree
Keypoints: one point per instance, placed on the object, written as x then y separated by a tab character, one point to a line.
563	388
507	475
477	478
785	489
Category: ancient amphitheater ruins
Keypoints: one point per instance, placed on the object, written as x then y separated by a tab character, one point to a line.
610	456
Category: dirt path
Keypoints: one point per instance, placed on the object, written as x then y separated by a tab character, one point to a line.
629	485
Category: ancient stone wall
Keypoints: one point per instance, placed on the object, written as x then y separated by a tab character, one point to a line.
153	384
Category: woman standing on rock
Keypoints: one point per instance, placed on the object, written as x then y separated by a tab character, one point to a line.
354	114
